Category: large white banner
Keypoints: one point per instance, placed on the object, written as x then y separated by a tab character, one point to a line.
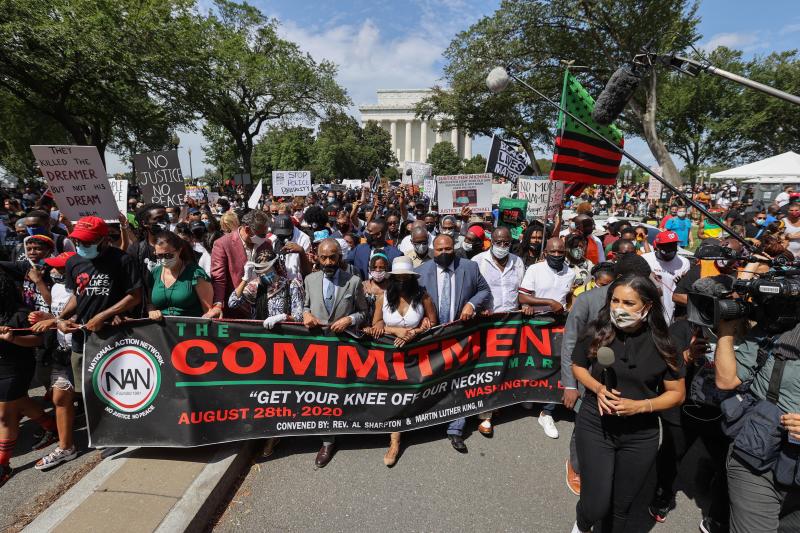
77	178
464	190
353	184
291	182
120	190
419	171
541	192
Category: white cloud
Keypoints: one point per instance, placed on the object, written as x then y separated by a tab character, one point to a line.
746	41
789	28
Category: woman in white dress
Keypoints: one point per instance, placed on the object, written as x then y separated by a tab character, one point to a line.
403	311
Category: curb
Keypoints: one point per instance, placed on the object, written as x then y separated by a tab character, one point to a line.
192	511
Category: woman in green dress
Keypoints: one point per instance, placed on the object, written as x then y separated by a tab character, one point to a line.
180	286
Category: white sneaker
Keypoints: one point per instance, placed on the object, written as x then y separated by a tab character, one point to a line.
55	458
549	426
575	527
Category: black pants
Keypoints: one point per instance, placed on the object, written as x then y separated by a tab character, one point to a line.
616	455
676	442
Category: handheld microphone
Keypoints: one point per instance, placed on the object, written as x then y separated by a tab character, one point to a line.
605	358
616	94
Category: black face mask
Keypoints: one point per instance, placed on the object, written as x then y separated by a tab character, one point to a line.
556	262
158	227
374	240
666	255
444	259
430	227
329	270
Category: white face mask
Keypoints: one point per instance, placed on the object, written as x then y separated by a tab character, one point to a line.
499	252
467	246
257	241
168	263
627	320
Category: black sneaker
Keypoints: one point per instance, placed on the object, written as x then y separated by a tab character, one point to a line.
48	438
5	474
659	509
707	525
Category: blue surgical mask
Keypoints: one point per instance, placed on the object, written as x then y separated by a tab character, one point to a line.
87	252
761	222
268	278
36	230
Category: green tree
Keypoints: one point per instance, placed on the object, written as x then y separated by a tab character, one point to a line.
699	116
537	35
444	159
247	77
283	149
345	150
220	152
475	165
92	67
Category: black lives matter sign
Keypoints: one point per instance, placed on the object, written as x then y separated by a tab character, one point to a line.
159	177
505	160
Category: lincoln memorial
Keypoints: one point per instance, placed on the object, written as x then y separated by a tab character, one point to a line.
412	138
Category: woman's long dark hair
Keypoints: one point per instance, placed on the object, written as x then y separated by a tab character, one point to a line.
524	243
603	331
412	290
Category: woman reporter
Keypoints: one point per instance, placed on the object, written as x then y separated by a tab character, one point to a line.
617	430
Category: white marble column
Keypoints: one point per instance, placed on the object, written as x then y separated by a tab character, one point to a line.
393	134
467	146
454	138
423	141
439	135
407	141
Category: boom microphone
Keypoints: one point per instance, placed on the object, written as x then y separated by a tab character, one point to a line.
497	80
605	358
616	94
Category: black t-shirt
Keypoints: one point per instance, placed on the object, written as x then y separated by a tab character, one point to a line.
681	334
31	297
12	355
752	231
639	367
99	284
684	286
736	216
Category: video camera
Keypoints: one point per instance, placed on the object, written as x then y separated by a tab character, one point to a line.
772	299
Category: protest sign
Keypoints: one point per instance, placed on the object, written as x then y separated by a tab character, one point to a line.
291	182
505	160
198	193
542	194
159	177
512	213
464	190
419	171
654	189
429	188
189	381
353	184
252	202
120	190
500	190
241	179
77	179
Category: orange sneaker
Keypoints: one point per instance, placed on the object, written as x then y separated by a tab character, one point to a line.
573	480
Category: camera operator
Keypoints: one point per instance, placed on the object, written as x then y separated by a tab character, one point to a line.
764	421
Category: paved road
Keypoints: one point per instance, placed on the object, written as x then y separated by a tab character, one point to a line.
29	491
513	482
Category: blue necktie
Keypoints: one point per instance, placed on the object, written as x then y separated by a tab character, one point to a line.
444	299
329	292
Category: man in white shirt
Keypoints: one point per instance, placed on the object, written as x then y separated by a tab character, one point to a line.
406	245
544	289
667	267
783	198
503	271
287	239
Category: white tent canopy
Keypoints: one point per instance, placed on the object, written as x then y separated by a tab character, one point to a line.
783	165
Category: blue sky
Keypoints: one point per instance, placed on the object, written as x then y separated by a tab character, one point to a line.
394	44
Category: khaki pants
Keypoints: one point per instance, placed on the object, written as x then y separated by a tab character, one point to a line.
77	371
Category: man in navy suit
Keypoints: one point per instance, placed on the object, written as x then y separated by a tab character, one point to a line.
376	241
458	291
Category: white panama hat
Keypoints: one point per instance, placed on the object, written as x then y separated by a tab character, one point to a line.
402	266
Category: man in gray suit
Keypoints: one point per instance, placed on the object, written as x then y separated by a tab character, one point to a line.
585	309
458	291
334	298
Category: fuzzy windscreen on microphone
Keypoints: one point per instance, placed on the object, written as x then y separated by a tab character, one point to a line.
717	286
615	96
605	356
497	80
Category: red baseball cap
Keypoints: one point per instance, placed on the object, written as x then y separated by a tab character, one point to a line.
666	237
478	231
60	260
89	229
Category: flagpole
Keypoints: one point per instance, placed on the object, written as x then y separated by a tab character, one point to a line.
638	163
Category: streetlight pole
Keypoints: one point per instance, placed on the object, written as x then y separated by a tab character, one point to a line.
191	173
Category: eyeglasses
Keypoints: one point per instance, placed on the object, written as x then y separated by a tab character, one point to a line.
166	256
502	243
